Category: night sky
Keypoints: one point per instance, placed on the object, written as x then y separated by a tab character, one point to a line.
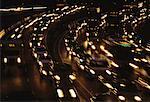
14	3
26	3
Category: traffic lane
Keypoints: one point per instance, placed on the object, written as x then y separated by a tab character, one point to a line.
15	85
86	79
125	85
57	29
53	37
26	72
11	78
83	85
82	94
82	82
38	83
25	81
79	72
64	82
42	87
95	89
65	85
124	69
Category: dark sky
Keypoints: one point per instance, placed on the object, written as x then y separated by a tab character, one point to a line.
14	3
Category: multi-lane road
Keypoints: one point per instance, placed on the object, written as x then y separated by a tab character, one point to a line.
74	53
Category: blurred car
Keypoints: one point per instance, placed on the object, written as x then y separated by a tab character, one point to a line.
98	63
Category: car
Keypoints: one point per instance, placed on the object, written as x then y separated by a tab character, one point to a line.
126	90
46	72
107	97
99	63
40	49
64	77
69	92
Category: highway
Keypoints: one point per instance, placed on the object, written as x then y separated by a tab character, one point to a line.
65	54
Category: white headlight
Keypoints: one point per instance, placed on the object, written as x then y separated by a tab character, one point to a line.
133	65
122	98
72	93
57	77
109	86
72	77
92	71
108	72
82	67
60	93
5	60
93	47
19	60
137	98
44	72
114	64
